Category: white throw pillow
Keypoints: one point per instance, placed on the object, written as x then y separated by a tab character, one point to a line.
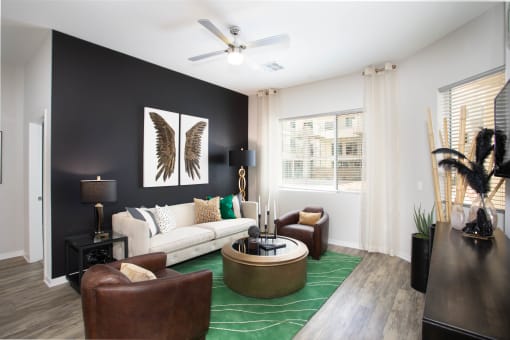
144	214
165	218
236	205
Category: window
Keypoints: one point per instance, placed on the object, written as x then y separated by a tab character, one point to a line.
351	148
321	153
348	121
478	96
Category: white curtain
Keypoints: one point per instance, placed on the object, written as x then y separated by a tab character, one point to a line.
379	211
268	104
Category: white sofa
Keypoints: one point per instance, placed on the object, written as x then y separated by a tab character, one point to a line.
188	239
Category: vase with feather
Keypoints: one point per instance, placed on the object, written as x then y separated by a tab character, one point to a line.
477	177
457	216
485	203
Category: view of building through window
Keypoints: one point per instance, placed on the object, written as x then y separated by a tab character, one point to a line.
478	97
322	152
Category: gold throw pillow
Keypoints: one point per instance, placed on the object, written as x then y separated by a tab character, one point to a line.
207	211
309	218
136	273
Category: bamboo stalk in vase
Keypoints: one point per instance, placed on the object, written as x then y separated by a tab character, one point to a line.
447	176
435	174
496	188
459	196
463	189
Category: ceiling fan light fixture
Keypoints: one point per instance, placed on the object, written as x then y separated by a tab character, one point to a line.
235	57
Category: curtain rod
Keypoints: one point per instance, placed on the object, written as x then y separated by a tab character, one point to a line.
377	70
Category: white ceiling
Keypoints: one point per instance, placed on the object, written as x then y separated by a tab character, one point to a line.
327	39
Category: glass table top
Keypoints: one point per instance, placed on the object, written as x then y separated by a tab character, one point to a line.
264	247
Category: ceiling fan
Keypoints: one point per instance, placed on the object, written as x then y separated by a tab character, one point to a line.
234	47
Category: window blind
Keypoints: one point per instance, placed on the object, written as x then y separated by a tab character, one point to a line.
322	152
478	97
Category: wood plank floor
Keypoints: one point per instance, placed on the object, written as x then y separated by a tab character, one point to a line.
374	302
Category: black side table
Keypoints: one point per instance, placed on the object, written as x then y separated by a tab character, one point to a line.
82	243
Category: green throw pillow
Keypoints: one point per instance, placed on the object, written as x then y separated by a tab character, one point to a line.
226	207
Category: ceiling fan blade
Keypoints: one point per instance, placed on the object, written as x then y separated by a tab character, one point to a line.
206	55
214	30
275	39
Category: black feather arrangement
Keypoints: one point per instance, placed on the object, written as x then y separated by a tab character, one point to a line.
476	176
500	150
484	145
474	172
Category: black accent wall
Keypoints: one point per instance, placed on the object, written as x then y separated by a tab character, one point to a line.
98	97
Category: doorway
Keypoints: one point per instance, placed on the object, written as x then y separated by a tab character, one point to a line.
34	248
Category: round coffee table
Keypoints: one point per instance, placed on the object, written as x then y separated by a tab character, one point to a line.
265	273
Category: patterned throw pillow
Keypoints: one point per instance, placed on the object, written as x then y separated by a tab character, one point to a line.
136	273
165	219
309	218
207	211
144	214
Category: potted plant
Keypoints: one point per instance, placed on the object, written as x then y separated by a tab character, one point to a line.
420	249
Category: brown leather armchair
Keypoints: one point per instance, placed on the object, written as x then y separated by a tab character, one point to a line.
173	306
315	237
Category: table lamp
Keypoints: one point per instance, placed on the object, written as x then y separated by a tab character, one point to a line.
98	191
242	158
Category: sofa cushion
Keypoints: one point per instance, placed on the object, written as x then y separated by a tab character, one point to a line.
309	218
227	227
136	273
236	206
207	211
144	214
180	238
165	218
226	207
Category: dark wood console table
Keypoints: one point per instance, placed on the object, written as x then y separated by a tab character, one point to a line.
468	290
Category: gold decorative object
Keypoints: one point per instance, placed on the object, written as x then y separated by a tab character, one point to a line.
266	276
165	146
192	149
242	158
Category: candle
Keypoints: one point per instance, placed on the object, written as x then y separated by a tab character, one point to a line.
265	216
258	207
268	200
274	209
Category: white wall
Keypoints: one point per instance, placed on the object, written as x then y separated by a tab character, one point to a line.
37	99
12	189
333	95
26	92
474	48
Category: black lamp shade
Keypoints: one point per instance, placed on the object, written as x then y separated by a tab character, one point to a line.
242	158
98	191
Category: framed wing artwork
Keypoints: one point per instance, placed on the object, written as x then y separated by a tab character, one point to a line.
194	150
160	148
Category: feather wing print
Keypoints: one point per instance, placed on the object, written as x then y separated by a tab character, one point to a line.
193	148
165	146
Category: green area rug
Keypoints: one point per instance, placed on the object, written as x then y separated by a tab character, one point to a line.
234	316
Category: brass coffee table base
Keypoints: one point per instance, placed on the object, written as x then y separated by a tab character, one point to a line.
267	276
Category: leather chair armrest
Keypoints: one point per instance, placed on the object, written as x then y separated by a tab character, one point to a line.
173	308
323	221
152	261
292	217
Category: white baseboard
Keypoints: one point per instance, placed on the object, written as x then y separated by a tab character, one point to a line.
344	244
11	254
403	256
55	282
